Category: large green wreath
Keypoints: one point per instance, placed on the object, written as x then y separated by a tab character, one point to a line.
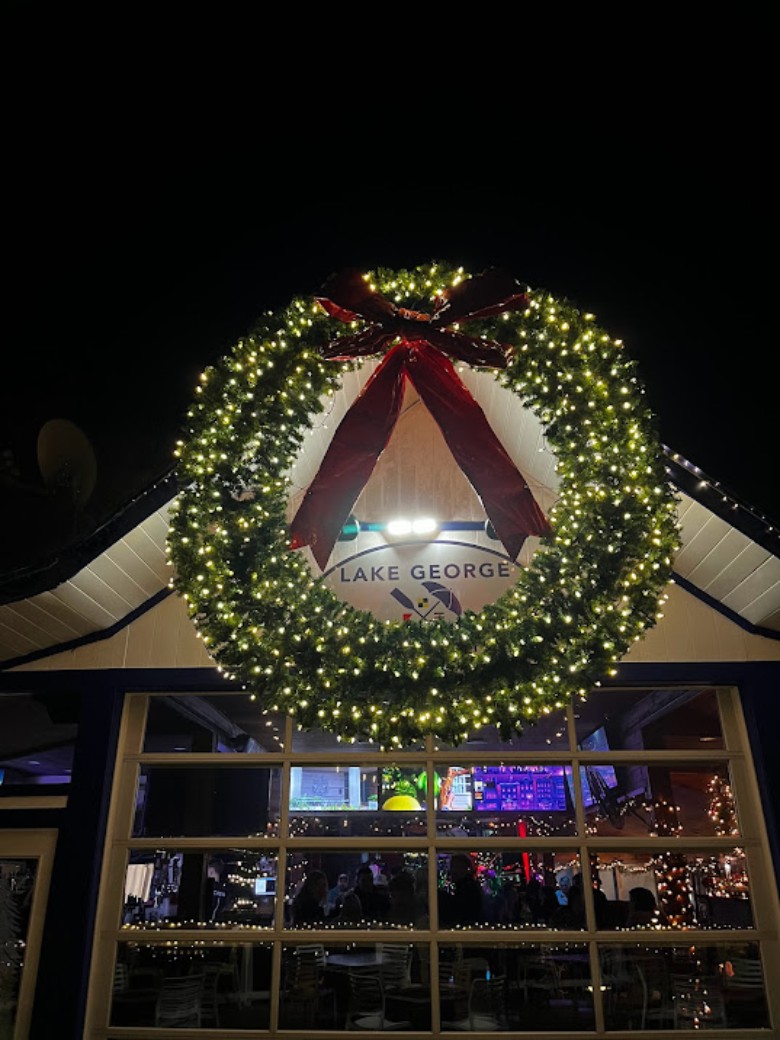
592	588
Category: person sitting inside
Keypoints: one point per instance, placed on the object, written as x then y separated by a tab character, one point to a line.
373	899
601	905
307	906
337	893
402	898
349	913
463	904
569	910
421	916
643	910
514	907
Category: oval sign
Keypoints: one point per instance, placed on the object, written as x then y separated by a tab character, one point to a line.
422	581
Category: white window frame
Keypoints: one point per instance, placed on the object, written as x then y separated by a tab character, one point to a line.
38	845
753	840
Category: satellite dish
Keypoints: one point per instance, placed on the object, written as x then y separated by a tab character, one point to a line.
66	460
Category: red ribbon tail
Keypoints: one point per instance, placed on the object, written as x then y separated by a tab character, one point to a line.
361	437
508	501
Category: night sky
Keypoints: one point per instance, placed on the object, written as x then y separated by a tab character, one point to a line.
123	287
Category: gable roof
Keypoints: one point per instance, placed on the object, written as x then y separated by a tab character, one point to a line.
729	557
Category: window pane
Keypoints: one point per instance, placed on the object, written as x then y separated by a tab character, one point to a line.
356	890
634	720
358	800
319	740
691	987
214	985
549	733
521	888
665	800
17	882
191	889
232	724
37	739
366	987
207	800
672	889
503	801
537	988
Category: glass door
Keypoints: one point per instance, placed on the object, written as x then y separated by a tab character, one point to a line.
25	870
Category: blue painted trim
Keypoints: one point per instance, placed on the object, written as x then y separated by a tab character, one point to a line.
158	597
93	637
762	719
443	525
31	819
700	673
711	494
129	680
700	594
31	580
66	948
28	581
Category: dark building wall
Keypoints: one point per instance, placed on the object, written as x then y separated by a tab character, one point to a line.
67	942
760	698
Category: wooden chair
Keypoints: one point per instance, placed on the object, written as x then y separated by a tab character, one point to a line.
698	1004
539	977
573	994
145	977
461	971
747	976
657	980
395	964
486	1007
180	1001
327	995
316	949
744	991
626	992
211	996
474	967
367	1005
303	992
121	977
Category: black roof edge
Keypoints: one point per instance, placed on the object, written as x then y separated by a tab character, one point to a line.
31	581
711	494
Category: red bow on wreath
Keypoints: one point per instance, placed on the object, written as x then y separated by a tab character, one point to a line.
365	430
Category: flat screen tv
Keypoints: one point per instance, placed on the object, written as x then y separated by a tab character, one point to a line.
265	886
519	789
456	790
332	789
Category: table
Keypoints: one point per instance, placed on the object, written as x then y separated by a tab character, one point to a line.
357	960
413	1004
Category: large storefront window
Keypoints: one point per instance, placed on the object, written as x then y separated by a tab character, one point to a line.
37	742
17	881
25	872
605	873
